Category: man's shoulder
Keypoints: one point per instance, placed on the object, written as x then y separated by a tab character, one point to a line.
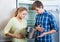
49	13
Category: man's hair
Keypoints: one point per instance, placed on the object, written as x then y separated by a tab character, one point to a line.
37	4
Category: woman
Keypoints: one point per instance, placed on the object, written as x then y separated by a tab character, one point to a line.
16	25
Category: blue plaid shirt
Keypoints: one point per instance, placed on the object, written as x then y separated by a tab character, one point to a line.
48	22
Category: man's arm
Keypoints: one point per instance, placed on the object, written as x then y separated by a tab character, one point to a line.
45	33
53	25
51	32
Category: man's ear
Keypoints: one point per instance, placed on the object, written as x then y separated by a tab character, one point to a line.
41	7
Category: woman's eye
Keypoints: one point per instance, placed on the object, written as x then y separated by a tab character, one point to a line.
24	14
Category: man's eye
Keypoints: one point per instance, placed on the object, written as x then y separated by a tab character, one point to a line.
36	10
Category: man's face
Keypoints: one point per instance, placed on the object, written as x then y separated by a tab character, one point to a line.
38	10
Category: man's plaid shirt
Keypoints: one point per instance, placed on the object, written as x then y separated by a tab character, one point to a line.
48	22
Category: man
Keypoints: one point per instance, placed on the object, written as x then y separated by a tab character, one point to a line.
45	24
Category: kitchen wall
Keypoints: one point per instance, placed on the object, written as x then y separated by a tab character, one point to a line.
6	11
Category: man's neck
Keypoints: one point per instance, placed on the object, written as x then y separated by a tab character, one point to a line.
43	11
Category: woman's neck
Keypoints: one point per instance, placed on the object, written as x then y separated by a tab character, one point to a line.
18	18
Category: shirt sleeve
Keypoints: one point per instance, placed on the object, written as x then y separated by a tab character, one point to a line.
8	26
53	23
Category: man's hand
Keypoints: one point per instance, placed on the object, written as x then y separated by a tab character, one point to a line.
41	29
42	34
45	33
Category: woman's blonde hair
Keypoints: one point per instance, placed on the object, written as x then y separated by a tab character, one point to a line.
20	9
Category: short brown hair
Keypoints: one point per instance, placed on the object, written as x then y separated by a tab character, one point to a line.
20	9
37	4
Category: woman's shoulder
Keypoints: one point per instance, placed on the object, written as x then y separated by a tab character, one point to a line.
24	20
12	19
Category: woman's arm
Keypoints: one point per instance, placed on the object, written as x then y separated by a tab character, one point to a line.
14	35
8	28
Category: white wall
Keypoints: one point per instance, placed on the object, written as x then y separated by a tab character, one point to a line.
6	7
6	10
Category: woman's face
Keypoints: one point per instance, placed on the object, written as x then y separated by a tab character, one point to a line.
22	14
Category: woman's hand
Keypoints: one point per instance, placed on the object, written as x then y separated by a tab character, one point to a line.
21	36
